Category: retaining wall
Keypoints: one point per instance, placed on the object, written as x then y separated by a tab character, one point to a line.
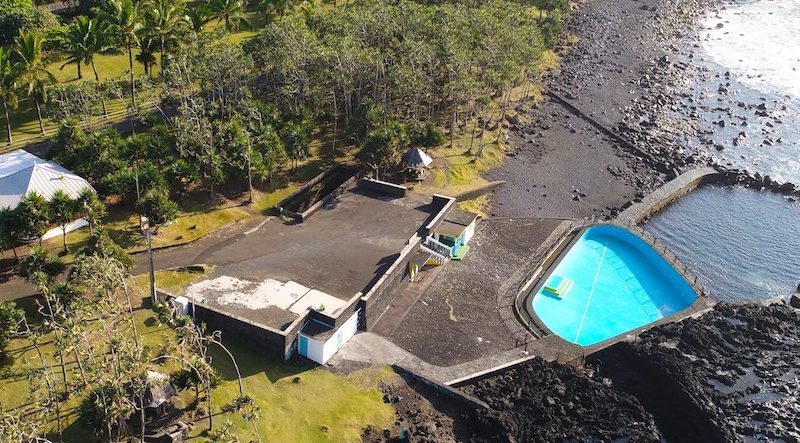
277	343
392	280
382	187
475	193
339	190
463	398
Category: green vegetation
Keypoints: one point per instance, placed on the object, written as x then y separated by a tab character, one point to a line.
174	282
242	117
318	407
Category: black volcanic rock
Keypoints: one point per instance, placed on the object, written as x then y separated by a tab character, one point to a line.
544	401
731	374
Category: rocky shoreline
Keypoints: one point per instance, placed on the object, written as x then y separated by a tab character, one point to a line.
729	375
732	374
633	73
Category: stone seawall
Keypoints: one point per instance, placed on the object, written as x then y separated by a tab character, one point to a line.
666	194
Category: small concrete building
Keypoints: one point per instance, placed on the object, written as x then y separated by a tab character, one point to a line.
318	341
450	236
22	173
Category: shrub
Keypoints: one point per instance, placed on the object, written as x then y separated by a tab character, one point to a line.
18	15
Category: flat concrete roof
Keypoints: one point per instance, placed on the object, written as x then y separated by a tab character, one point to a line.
334	255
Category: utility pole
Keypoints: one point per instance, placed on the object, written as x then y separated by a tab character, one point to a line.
146	225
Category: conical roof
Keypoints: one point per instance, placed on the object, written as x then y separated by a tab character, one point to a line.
416	158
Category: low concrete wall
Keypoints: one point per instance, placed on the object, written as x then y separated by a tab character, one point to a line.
465	399
382	187
328	198
666	194
301	216
394	278
268	339
475	193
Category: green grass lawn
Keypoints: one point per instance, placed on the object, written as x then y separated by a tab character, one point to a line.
194	221
298	402
173	282
319	407
15	386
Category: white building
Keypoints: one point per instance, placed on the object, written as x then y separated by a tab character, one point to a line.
22	173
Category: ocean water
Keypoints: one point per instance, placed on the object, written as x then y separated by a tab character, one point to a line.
742	243
745	244
757	43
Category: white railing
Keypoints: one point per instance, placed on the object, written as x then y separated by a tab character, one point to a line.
437	246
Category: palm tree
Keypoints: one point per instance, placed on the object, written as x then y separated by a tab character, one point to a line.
199	15
75	39
33	73
84	38
124	19
165	20
8	87
229	12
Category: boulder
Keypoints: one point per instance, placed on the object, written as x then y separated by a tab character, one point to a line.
795	301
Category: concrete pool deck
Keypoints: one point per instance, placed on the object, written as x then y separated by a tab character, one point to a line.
474	303
458	319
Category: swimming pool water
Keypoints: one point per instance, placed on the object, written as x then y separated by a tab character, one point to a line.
620	283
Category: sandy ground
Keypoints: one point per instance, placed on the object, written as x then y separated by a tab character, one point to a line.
563	166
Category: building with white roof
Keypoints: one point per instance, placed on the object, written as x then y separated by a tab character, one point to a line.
22	173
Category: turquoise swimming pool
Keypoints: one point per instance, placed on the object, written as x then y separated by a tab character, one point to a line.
609	282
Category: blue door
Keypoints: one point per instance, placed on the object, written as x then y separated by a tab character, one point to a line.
302	345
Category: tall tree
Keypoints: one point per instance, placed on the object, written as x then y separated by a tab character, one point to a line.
231	13
32	68
269	151
11	229
34	214
383	145
75	42
158	208
8	87
125	20
91	207
62	210
239	143
165	20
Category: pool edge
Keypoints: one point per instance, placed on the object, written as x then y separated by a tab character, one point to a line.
527	315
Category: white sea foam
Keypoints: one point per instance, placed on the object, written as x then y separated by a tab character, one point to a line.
760	43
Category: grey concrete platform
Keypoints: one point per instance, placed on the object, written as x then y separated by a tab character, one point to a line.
457	320
338	251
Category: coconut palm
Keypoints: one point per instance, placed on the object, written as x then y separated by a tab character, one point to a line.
8	87
229	12
199	15
32	69
124	20
75	46
165	20
84	38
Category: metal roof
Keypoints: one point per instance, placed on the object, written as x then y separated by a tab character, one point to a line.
40	176
454	223
416	158
16	161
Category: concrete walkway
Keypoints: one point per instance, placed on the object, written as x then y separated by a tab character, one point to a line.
666	194
366	347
